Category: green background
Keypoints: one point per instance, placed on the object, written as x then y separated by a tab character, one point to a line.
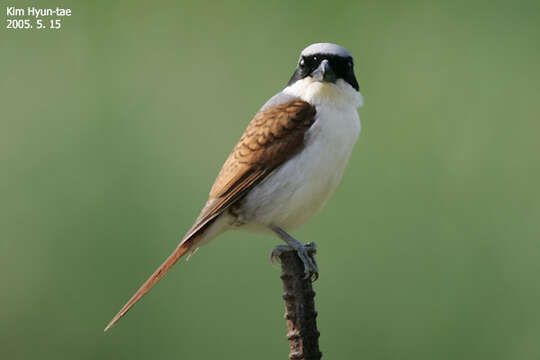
114	127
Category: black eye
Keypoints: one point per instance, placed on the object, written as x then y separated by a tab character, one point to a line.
350	64
302	62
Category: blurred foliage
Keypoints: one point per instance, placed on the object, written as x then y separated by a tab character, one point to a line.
113	128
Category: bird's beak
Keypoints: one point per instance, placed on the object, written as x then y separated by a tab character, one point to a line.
324	72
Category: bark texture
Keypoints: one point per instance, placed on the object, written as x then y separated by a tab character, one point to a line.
299	306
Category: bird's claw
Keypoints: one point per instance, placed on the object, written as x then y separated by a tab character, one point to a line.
305	253
278	250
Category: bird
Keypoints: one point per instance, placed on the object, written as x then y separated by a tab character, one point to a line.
287	163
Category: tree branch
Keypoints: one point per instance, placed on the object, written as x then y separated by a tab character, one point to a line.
299	306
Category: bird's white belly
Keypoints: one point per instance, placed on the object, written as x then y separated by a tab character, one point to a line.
301	186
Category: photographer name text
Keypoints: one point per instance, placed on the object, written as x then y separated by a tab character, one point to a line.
33	18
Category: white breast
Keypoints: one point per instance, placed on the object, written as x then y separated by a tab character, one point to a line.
301	186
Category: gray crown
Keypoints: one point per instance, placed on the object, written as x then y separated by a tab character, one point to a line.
325	48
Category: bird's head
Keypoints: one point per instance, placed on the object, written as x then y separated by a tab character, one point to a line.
326	71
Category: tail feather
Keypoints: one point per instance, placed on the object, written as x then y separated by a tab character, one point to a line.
181	250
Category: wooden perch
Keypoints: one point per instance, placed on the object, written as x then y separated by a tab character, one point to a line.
299	306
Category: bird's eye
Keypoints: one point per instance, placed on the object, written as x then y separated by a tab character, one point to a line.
302	62
350	64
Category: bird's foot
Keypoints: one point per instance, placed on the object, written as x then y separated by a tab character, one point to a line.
276	253
305	253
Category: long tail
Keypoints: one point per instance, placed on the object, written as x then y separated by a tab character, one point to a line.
181	250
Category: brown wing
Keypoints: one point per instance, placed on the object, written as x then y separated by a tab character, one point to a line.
272	137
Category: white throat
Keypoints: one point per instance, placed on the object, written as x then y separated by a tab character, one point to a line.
340	94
